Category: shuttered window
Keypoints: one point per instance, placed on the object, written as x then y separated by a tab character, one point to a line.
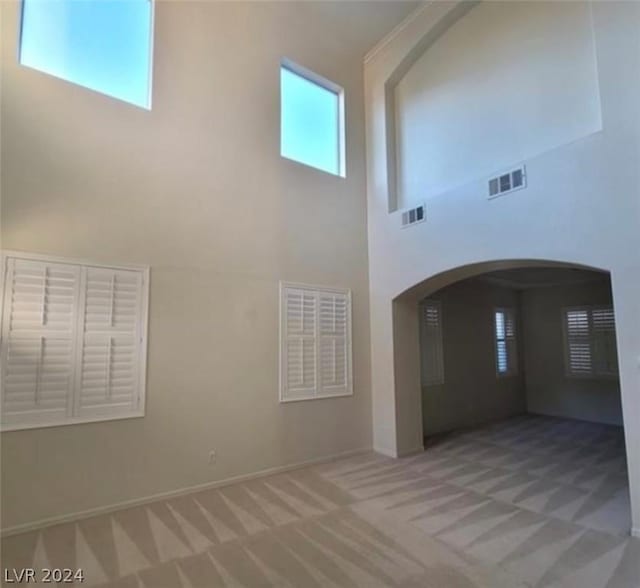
73	342
506	342
110	336
315	342
590	342
431	338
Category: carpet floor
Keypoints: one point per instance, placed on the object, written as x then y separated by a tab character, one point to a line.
528	502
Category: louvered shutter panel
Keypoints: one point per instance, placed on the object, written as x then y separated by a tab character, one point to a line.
299	346
604	341
315	342
38	351
506	342
510	339
110	336
578	333
501	343
432	354
334	333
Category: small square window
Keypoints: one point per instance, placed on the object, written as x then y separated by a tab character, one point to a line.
312	119
103	45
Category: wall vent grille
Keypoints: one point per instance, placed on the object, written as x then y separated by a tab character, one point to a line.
412	216
507	182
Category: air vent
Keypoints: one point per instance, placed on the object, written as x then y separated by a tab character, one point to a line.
413	216
510	181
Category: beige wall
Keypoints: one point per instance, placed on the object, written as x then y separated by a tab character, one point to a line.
196	189
471	393
477	66
549	390
580	206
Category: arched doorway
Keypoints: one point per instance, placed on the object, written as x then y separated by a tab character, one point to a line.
520	356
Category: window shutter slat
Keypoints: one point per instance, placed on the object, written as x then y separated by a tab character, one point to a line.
432	352
590	341
38	351
506	342
108	379
333	343
299	374
73	341
315	347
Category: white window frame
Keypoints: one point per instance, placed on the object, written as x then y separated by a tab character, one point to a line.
593	374
72	418
317	392
513	356
436	378
147	106
334	88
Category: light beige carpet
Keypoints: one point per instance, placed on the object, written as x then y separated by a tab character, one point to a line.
529	502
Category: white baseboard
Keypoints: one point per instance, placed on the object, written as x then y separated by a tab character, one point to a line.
635	532
75	516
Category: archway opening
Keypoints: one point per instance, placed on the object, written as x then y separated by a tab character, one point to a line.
517	373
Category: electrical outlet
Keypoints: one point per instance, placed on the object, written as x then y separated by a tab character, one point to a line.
212	457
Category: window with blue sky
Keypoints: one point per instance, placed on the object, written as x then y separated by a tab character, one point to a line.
104	45
311	119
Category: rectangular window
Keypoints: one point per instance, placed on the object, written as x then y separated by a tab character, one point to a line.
431	342
74	341
311	119
315	342
590	342
104	45
506	343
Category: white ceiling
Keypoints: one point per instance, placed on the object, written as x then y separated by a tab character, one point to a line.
361	24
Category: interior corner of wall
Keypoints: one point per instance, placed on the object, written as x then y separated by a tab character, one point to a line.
385	451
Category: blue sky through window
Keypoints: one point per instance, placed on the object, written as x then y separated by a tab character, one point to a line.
310	122
104	45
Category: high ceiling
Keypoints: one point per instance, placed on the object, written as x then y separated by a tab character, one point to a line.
361	23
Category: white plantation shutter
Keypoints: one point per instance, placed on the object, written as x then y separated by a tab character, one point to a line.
506	342
510	338
431	334
578	334
39	317
110	338
73	342
334	343
315	342
604	341
300	317
590	341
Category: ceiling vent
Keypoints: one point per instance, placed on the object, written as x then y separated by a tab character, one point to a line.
510	181
412	216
